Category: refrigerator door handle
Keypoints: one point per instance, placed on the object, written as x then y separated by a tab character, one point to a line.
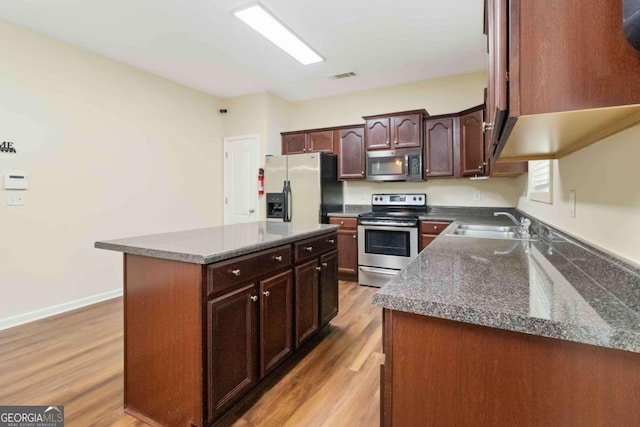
285	202
289	202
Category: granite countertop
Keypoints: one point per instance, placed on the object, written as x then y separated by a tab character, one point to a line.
554	287
207	245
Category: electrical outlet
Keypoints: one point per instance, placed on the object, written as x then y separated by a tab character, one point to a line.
15	198
572	203
477	196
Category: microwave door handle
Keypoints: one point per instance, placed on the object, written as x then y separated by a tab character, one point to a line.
406	165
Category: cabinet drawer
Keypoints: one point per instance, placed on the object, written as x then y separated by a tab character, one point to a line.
317	245
344	222
432	227
228	274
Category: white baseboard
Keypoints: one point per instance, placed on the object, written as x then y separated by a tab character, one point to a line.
20	319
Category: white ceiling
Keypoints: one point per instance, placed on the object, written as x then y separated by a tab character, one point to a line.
199	43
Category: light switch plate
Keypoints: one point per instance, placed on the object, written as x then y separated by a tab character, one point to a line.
15	198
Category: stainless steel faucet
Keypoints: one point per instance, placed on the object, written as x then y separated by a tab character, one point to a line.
524	223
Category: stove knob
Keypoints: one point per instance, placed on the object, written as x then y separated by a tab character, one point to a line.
414	199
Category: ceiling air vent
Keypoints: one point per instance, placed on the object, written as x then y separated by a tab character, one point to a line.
344	75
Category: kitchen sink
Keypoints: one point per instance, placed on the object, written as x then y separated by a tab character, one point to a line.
489	232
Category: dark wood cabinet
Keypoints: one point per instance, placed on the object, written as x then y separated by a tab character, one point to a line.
306	280
429	230
328	287
347	247
320	142
276	321
294	143
300	142
555	69
503	377
472	148
395	130
351	153
232	344
439	148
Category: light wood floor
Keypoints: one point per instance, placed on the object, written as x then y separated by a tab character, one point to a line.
76	360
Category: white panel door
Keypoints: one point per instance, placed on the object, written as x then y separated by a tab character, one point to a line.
241	178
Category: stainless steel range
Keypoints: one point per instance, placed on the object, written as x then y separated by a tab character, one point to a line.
388	236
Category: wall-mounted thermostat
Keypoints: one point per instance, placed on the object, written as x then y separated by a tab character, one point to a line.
14	181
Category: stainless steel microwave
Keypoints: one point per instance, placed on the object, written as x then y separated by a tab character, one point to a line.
394	165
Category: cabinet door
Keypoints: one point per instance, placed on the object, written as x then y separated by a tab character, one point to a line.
328	287
472	144
294	143
496	11
377	134
231	348
306	316
439	148
351	156
348	252
275	321
407	131
320	142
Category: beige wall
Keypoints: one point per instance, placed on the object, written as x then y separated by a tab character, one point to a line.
438	96
606	178
110	152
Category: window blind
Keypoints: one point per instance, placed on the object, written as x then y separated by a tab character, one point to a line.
540	172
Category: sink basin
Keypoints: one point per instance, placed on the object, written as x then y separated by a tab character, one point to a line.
489	232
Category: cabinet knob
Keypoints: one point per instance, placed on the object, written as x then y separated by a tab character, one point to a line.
435	227
324	264
235	272
484	163
254	298
304	150
387	142
427	170
331	241
355	236
319	268
480	167
266	293
278	257
309	248
362	173
341	222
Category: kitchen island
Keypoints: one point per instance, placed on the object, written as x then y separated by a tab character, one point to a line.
210	312
494	332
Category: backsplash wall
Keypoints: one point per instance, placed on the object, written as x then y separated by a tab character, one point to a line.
494	192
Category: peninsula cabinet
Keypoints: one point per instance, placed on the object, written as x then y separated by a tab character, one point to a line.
439	372
351	153
395	130
429	230
347	247
556	69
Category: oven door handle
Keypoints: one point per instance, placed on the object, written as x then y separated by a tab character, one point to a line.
387	227
386	271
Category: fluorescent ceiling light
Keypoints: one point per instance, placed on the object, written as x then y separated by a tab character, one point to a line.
258	18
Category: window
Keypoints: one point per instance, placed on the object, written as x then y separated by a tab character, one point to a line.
540	180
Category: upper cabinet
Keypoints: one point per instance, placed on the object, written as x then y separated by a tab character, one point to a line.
472	148
320	141
351	153
440	149
561	76
395	130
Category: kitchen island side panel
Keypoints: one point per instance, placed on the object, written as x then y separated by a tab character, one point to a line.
163	340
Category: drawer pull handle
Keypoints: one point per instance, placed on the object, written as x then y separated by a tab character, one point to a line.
236	272
324	264
332	241
278	257
266	293
254	298
319	268
308	248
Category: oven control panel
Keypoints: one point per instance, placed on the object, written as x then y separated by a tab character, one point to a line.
399	199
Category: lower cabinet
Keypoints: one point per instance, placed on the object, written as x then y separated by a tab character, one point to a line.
347	247
328	287
306	300
276	304
429	230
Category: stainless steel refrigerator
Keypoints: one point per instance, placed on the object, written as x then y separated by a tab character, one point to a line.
302	187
